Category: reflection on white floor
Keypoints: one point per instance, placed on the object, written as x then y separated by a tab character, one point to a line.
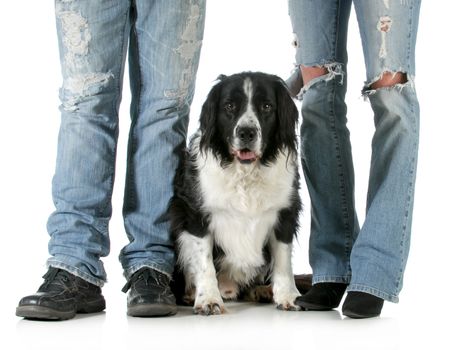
246	326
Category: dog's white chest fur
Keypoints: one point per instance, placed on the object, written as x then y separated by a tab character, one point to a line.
244	201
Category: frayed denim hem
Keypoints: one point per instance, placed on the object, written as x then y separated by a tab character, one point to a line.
128	272
75	271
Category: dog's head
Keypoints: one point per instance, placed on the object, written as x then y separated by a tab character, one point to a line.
248	117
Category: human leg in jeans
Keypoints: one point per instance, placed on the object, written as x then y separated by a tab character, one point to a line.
165	44
321	31
370	262
163	39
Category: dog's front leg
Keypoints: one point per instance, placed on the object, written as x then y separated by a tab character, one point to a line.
196	257
284	290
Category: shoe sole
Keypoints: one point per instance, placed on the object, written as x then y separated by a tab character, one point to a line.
152	310
313	307
358	316
37	312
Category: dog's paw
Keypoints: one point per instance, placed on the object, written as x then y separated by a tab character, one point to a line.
209	303
287	302
208	308
288	306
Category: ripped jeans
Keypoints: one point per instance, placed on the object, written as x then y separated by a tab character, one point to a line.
163	41
372	258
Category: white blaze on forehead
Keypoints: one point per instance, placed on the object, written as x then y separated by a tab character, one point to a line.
249	114
249	118
247	86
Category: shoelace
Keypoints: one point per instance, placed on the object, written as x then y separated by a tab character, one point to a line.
145	274
53	273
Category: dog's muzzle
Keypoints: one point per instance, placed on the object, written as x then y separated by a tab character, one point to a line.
246	144
247	136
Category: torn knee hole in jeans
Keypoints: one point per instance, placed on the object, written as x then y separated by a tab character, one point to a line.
388	80
302	79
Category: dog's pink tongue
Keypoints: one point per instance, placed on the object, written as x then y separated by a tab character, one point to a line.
246	155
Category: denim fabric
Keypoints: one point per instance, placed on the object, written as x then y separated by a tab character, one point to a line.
163	40
371	258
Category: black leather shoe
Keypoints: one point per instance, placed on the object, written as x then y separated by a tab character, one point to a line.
150	294
304	283
362	305
60	297
322	297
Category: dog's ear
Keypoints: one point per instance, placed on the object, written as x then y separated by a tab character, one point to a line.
287	117
208	117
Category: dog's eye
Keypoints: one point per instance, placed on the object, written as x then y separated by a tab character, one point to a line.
229	107
267	107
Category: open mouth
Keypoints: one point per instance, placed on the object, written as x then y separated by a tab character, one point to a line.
245	156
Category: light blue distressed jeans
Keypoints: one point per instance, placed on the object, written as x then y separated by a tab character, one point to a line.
372	258
163	41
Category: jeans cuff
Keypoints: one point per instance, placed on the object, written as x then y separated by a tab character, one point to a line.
331	279
161	267
53	262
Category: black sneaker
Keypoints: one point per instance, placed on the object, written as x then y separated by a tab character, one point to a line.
60	297
150	294
362	305
322	297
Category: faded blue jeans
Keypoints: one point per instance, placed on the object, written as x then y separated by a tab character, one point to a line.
163	40
372	258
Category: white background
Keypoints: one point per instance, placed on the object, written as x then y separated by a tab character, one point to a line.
240	35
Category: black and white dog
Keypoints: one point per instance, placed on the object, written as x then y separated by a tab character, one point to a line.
236	205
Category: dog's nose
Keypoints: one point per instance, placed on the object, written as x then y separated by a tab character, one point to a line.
246	134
